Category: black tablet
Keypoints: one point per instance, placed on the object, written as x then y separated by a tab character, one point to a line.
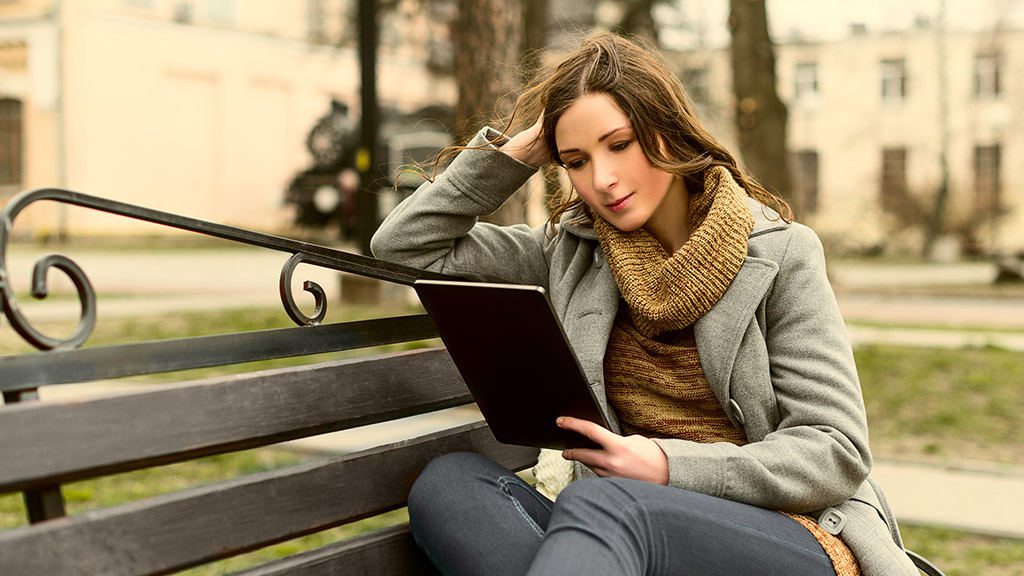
513	354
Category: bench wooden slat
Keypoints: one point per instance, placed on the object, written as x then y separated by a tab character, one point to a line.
90	364
382	552
175	531
46	443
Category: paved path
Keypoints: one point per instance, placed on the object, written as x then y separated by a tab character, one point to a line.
135	281
978	499
860	334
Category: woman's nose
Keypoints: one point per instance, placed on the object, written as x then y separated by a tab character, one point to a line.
605	177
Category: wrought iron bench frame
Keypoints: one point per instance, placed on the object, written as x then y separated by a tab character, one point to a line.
47	444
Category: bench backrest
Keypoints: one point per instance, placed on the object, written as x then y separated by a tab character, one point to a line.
47	444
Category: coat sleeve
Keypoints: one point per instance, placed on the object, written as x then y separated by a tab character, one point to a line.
817	455
437	227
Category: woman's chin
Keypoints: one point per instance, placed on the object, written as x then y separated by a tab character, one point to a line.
624	224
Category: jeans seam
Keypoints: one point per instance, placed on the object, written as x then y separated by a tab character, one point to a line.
819	552
504	481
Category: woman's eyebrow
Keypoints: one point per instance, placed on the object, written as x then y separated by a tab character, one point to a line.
609	133
600	138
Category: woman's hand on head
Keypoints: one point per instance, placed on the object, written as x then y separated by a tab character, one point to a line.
636	457
529	146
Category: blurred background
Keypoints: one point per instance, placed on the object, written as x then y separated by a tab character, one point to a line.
892	128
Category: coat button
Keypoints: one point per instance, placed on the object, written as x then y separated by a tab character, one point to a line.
735	414
598	258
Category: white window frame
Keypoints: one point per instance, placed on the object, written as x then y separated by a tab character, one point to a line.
805	82
894	80
987	81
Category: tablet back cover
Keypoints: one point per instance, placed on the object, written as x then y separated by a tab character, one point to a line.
511	350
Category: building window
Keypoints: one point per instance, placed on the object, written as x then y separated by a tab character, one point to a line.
894	80
894	178
987	161
805	164
10	142
986	76
805	82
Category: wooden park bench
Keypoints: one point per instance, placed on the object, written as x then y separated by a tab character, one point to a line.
46	444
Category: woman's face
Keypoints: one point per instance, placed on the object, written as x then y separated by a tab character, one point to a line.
606	165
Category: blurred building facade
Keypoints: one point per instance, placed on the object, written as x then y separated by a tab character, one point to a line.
203	107
870	123
198	107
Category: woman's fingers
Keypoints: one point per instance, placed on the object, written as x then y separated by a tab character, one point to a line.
635	456
591	457
592	431
529	146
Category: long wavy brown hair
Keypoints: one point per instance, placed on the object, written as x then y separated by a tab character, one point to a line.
651	96
653	99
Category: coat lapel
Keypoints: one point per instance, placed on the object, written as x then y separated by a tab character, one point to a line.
719	332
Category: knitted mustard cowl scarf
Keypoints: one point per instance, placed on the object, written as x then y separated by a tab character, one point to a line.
653	375
669	292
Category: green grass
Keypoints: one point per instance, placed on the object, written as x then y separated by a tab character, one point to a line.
961	554
944	403
934	326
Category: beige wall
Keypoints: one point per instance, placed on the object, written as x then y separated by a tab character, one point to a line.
849	125
205	119
209	119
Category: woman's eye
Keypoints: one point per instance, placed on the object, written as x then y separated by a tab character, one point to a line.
574	165
620	146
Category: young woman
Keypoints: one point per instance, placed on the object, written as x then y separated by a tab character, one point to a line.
706	324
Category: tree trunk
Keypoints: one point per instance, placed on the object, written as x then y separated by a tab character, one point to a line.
487	42
760	114
534	37
638	19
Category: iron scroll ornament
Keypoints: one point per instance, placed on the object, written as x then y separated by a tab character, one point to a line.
302	252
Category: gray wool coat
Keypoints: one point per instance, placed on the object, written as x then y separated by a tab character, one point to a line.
774	348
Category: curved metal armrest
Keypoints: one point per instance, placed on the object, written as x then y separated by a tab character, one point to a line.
924	565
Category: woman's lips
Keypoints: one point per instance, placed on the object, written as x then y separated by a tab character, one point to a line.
619	205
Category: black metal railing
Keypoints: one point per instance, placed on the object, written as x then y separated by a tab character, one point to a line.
302	253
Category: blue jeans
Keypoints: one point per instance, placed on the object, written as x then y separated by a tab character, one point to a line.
474	517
